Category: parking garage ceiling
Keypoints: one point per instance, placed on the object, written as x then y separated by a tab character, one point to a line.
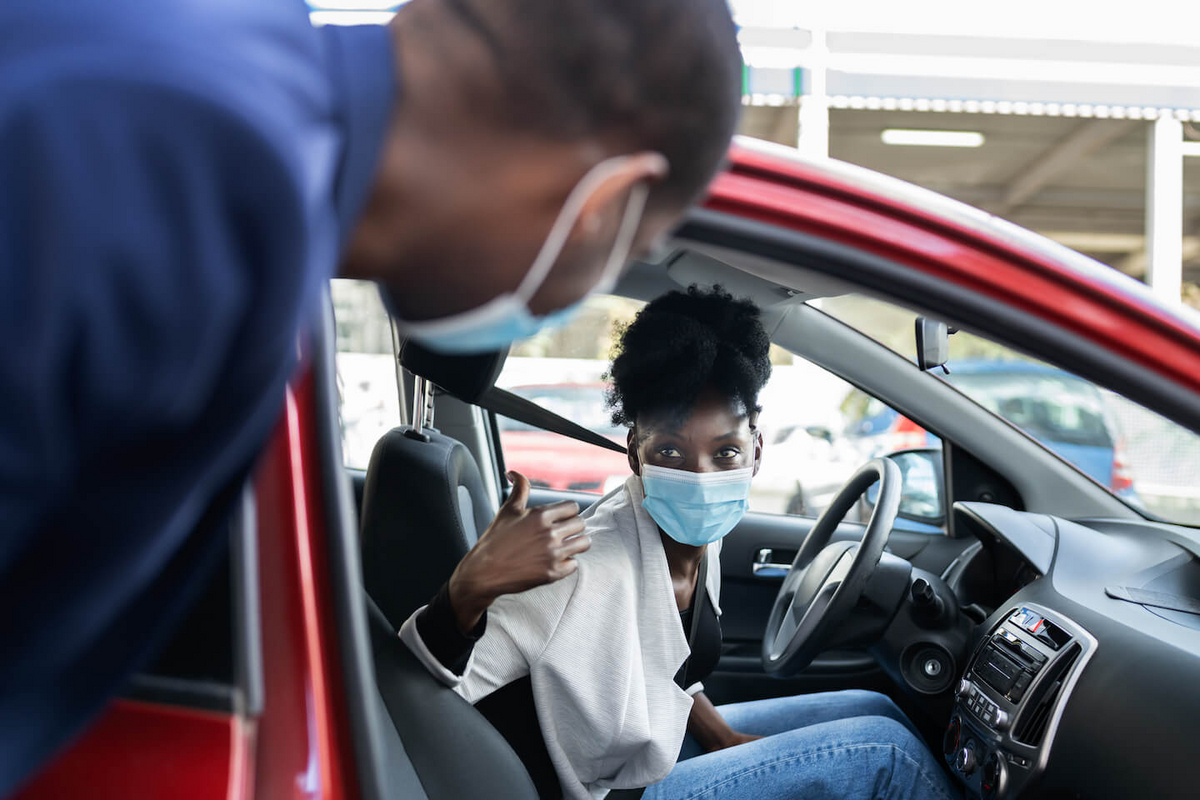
1077	180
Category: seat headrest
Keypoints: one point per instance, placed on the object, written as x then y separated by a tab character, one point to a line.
467	377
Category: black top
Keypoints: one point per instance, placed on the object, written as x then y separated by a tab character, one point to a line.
510	709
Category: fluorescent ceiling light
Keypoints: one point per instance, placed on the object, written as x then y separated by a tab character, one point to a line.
354	5
320	18
907	136
1191	148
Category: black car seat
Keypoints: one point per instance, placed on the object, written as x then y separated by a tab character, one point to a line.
424	503
424	506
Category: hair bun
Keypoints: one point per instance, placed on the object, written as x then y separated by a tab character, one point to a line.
683	343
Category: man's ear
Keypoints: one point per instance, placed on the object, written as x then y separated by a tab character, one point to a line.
758	449
605	205
631	451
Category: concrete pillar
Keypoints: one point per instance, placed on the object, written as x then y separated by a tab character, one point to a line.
1164	208
813	139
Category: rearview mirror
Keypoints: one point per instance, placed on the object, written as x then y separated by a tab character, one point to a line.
933	343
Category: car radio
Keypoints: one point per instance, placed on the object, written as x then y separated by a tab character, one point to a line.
1011	697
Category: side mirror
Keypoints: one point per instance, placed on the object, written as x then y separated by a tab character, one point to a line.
820	432
933	343
922	496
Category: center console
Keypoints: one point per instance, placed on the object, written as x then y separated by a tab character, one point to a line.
1011	698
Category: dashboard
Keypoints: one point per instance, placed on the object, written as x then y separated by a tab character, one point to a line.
1084	675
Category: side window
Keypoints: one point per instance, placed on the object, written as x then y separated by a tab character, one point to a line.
1141	457
563	370
366	369
817	430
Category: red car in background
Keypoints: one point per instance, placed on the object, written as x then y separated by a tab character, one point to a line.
293	710
552	461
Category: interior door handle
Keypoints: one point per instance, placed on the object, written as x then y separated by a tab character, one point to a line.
766	566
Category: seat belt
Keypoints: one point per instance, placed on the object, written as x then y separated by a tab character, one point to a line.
699	606
504	402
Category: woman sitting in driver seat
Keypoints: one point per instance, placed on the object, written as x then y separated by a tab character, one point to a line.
571	633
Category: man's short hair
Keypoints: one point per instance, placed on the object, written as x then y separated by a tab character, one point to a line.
663	75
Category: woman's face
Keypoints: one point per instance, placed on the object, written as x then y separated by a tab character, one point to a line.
715	436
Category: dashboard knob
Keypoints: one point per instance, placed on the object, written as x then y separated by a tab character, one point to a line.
966	762
951	738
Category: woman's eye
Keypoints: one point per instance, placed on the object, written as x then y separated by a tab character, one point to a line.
668	452
728	452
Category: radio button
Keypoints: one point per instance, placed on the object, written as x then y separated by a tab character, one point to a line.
965	761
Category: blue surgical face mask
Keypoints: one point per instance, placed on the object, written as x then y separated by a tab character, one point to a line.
506	318
696	508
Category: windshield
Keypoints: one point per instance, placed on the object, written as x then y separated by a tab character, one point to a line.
1050	406
1141	457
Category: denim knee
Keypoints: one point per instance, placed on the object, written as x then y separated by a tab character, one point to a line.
921	769
866	703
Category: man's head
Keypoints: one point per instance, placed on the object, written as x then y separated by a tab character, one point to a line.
505	106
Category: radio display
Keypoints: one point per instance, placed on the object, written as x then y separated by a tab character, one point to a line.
1046	631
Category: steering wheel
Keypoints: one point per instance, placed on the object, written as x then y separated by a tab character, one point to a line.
826	580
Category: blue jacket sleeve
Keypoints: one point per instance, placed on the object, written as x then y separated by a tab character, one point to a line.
155	264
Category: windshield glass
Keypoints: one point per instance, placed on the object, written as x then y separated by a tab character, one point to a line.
1050	406
1141	457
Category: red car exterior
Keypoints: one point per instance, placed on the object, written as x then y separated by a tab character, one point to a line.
301	745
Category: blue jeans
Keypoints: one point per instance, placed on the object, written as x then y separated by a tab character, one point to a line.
851	745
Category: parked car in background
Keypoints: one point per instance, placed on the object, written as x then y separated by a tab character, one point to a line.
875	429
551	461
802	469
1063	412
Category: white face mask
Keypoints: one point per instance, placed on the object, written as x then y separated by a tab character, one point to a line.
506	318
696	508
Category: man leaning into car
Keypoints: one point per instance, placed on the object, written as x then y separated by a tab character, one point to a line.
179	182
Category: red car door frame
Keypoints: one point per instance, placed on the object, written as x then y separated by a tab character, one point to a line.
311	737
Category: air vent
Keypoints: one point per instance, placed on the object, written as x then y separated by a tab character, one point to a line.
1031	727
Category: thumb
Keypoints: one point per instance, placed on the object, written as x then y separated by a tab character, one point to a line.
520	492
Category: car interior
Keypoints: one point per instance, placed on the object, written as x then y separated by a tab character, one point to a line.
1039	638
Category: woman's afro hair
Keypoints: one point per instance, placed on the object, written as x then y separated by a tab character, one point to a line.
683	343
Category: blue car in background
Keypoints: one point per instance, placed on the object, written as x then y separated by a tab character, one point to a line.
1063	412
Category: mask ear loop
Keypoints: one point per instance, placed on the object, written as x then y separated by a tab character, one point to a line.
623	244
561	229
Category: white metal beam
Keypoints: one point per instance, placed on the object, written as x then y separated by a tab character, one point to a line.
1164	209
814	105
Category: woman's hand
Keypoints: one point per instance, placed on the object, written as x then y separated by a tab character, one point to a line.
710	729
521	549
733	739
